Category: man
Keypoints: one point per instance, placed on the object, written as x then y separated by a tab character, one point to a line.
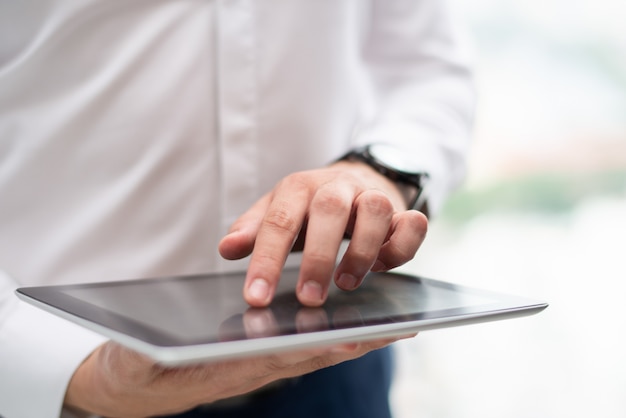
146	138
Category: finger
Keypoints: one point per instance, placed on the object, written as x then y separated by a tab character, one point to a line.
374	214
408	230
295	363
327	219
276	235
239	242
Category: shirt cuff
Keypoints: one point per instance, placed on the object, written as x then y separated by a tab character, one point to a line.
39	353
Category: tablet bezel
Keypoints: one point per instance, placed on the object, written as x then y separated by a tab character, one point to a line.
167	349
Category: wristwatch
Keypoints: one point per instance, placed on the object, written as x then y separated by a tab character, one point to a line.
397	167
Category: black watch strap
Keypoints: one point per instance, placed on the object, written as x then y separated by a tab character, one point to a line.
412	185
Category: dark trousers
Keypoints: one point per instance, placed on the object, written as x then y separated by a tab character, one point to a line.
354	389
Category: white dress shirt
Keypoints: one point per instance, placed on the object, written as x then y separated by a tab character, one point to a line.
132	134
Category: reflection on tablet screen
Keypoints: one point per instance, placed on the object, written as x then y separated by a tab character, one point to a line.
211	308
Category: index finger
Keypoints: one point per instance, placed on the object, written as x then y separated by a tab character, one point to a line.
277	233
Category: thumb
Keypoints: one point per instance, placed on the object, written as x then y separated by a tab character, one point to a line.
239	242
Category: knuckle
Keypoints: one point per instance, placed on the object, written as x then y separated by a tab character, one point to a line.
319	258
269	265
405	253
268	259
280	219
330	202
399	253
363	256
376	203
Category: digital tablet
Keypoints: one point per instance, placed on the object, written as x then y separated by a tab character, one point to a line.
186	319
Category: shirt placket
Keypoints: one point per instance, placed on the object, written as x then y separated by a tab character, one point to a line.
236	84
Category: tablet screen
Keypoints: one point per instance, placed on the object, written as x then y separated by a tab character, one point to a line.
203	310
188	310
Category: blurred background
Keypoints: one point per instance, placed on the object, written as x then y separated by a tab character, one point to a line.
542	214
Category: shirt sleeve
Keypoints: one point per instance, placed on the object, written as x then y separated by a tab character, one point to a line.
44	352
422	86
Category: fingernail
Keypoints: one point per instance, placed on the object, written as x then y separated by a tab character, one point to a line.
259	289
379	266
311	291
347	281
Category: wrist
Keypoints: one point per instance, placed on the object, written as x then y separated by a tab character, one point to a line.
398	167
374	180
84	397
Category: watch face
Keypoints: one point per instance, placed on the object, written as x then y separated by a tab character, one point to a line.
392	157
